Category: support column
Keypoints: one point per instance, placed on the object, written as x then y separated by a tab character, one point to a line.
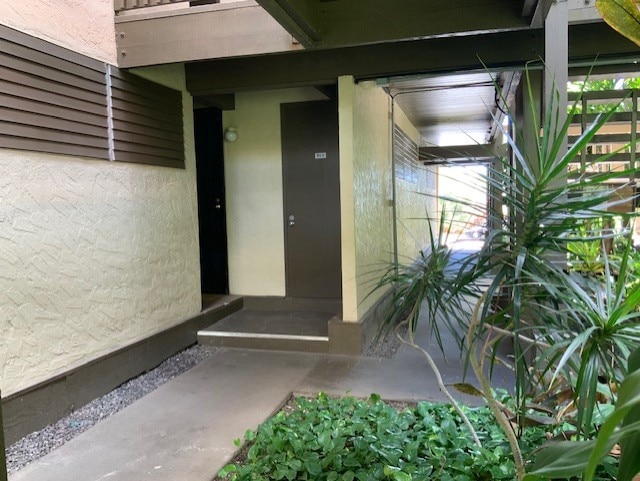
528	110
556	59
556	48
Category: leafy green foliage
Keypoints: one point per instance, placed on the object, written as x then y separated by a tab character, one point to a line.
348	439
603	105
580	332
585	248
630	443
633	264
623	16
591	335
571	458
527	251
429	284
595	85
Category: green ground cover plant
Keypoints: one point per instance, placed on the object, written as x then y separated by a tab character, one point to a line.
348	439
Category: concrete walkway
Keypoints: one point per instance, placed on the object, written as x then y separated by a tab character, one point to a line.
185	429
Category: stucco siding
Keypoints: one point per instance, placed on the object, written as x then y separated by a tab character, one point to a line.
254	195
84	26
366	192
95	255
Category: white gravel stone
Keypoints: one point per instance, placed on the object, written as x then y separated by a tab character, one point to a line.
386	344
39	443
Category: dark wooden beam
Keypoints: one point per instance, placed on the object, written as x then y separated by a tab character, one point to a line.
319	67
457	162
360	22
222	102
457	152
295	19
502	50
589	69
540	13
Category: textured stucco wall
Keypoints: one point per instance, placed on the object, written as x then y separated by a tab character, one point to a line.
95	255
85	26
253	180
415	202
366	192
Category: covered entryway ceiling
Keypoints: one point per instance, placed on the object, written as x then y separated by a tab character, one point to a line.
452	111
448	110
341	23
370	39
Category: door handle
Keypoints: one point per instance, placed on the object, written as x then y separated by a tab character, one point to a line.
292	220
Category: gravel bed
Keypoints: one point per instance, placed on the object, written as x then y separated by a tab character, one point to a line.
39	443
386	345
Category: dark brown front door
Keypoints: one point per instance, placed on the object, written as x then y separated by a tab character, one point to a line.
311	199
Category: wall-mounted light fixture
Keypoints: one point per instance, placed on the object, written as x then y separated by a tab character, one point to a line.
231	134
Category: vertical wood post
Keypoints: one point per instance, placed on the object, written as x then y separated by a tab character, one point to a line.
557	60
556	40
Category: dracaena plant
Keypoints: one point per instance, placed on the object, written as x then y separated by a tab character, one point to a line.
527	253
589	337
574	458
429	282
583	332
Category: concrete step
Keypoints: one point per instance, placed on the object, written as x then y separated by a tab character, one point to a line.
273	342
275	324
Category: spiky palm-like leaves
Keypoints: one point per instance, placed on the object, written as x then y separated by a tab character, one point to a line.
528	252
429	284
582	332
592	333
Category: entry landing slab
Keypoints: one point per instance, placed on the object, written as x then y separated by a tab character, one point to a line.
290	330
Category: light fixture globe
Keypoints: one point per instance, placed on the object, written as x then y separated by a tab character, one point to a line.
230	134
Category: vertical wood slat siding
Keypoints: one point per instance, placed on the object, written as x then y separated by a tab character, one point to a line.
405	153
153	113
57	101
52	100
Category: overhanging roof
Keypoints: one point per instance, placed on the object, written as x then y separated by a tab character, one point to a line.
340	23
451	109
481	52
382	38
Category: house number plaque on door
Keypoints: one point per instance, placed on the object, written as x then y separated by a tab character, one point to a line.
321	155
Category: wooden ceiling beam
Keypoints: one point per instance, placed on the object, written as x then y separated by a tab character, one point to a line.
540	13
295	19
528	7
334	24
457	152
317	67
495	51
